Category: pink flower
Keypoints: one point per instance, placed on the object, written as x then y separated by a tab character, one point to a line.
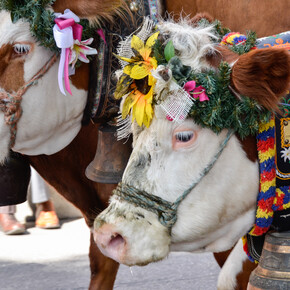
80	50
196	92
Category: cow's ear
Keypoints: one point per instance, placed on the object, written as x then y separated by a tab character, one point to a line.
89	8
263	75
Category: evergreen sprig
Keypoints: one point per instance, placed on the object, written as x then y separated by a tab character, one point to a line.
224	110
247	45
221	31
40	18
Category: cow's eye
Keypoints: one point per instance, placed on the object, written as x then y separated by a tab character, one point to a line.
184	136
21	49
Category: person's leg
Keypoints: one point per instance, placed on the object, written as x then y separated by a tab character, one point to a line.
46	217
8	223
8	209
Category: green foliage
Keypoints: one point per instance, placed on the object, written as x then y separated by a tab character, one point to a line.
179	71
247	46
169	51
158	52
224	109
221	31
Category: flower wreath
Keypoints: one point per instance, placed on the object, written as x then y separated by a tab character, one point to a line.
206	95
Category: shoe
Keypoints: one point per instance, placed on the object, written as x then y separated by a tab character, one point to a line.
47	220
10	225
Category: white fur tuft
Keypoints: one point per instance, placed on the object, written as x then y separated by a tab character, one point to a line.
191	43
227	279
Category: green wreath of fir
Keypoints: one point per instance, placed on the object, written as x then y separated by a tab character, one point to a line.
223	110
40	19
221	31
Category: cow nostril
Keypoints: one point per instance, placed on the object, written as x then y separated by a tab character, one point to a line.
116	241
110	242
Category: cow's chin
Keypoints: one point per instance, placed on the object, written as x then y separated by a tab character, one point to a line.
131	236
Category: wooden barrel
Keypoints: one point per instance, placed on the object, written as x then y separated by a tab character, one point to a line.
273	271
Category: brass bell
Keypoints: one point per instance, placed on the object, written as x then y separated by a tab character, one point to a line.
273	271
111	157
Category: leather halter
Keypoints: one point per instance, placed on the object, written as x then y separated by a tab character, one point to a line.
10	103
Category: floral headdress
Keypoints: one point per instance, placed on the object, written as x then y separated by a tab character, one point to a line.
154	73
57	32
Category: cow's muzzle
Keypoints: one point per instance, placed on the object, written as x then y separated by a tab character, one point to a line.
111	243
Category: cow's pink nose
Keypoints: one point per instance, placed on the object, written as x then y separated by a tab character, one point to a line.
110	242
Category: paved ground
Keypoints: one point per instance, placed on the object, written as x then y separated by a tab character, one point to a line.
57	259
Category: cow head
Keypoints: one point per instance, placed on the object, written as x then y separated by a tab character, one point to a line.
172	153
49	120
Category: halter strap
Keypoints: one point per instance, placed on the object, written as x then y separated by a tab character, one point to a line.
165	210
10	103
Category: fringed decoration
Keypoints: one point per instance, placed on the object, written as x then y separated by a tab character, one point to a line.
266	155
177	105
146	29
124	49
124	127
270	198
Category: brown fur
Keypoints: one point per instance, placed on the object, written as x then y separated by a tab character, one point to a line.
265	17
11	69
249	145
243	276
101	264
81	78
263	75
77	188
90	8
222	53
65	171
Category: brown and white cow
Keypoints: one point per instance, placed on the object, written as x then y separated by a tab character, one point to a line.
65	169
168	157
50	129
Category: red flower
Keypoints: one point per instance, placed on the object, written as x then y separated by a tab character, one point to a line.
196	92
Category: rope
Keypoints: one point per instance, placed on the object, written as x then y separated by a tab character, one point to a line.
10	103
166	211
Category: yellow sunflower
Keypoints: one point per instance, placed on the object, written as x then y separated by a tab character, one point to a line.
139	67
140	104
